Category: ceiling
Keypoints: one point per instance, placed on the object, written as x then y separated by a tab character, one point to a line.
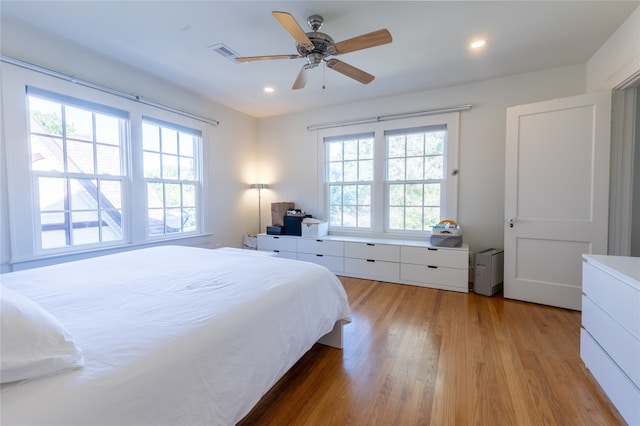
430	47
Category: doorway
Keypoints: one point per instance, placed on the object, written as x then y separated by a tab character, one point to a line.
557	183
624	207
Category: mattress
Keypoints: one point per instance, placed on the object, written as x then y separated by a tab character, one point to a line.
172	335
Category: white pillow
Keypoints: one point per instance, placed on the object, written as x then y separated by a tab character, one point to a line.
33	343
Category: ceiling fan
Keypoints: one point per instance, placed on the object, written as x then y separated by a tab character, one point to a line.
317	47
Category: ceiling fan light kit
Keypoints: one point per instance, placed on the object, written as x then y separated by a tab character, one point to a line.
317	47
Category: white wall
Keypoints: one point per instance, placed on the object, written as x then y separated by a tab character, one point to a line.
618	60
233	208
288	152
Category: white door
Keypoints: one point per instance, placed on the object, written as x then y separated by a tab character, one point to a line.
556	196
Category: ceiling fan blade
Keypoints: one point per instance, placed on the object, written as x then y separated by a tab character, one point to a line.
364	41
266	58
301	80
350	71
292	26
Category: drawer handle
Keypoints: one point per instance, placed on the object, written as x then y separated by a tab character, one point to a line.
371	260
320	255
432	267
432	249
371	244
276	251
318	241
276	238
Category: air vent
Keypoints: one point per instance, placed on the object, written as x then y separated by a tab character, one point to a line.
224	51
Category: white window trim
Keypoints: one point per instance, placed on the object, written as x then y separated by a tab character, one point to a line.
61	98
197	175
378	208
346	137
20	190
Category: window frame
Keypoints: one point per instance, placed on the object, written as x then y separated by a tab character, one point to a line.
196	180
348	183
25	253
441	181
379	201
69	176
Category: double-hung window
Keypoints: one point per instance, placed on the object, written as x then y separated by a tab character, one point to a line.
391	177
415	164
77	150
349	171
97	173
171	176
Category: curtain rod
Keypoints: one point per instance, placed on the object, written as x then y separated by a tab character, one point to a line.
389	117
85	83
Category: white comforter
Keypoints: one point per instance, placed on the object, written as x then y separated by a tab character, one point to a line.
173	335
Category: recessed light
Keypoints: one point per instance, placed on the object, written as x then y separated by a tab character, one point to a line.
478	44
269	89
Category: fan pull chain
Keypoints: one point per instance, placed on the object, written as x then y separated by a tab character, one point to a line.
324	67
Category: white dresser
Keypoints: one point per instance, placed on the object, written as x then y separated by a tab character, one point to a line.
398	261
327	253
610	334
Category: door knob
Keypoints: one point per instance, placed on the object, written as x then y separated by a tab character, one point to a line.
511	221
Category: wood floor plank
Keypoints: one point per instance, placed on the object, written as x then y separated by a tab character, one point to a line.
419	356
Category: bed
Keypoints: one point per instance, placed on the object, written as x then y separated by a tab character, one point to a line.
167	335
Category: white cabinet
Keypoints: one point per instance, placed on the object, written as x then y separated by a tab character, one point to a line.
398	261
283	246
435	256
376	261
438	267
323	252
610	334
372	251
372	269
333	263
320	246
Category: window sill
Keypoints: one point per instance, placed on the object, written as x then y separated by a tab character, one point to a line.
200	240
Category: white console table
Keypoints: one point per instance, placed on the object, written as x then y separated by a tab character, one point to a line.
399	261
610	334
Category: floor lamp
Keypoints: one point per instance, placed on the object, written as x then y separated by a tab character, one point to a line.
259	187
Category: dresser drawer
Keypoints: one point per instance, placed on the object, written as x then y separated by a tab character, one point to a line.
275	242
333	263
372	251
620	390
375	269
617	341
320	246
435	275
435	256
620	300
286	254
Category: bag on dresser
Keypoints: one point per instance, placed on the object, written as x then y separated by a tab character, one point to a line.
279	211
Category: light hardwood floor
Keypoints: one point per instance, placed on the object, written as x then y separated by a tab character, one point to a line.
418	356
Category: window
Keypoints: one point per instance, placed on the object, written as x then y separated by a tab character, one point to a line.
415	166
98	172
349	169
171	176
76	163
396	177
